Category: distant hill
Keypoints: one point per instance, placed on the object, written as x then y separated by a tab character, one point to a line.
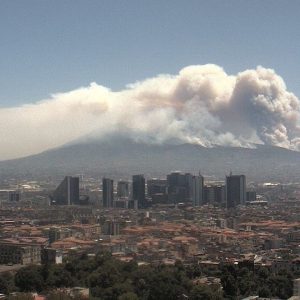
122	157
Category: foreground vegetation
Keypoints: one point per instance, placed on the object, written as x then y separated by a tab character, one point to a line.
109	278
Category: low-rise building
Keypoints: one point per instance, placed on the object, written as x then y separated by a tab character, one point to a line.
21	251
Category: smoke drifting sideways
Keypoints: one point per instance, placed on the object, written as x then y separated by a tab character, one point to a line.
201	105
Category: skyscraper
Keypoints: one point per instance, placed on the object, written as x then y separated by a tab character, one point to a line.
108	192
177	187
156	186
185	188
196	190
235	190
138	190
123	189
67	193
214	194
14	196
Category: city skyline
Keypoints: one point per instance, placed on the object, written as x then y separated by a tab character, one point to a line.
149	149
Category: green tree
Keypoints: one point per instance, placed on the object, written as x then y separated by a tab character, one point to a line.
282	286
230	285
58	276
7	283
29	279
160	283
264	292
128	296
204	292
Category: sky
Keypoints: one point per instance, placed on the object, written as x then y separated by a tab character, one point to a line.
205	72
56	46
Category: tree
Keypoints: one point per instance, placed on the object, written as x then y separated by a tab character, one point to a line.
194	271
58	276
204	292
264	292
128	296
230	285
29	279
282	285
6	283
160	283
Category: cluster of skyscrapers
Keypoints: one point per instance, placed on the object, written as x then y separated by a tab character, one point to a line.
177	188
126	198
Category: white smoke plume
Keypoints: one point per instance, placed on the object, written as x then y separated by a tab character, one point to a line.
201	104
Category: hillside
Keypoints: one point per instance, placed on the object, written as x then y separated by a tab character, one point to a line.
121	156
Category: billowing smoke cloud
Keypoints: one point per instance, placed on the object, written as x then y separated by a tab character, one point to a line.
201	104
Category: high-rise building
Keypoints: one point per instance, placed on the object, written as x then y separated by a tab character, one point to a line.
157	191
214	194
185	188
108	192
196	190
138	190
123	189
14	196
156	186
67	193
176	179
177	187
235	190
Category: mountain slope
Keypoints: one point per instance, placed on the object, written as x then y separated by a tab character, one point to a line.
125	157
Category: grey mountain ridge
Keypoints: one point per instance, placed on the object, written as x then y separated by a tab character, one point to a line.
121	156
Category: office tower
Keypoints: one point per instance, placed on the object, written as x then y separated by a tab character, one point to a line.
214	194
138	190
157	191
108	192
67	193
156	186
196	190
183	187
189	184
235	190
177	191
14	196
123	189
176	179
219	193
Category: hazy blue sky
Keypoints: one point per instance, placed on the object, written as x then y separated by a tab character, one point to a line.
54	46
